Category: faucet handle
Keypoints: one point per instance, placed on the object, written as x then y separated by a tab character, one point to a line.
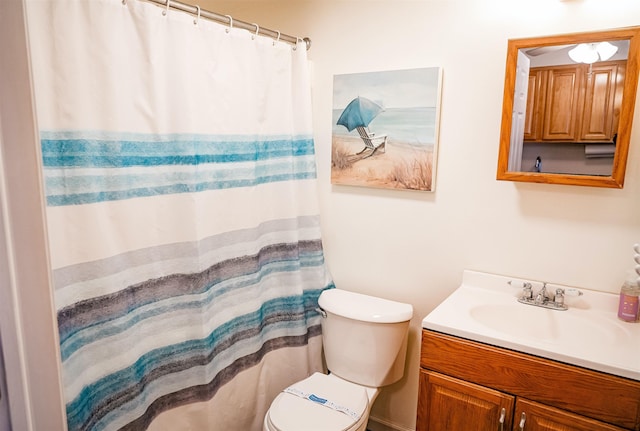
519	284
527	287
562	292
559	298
568	291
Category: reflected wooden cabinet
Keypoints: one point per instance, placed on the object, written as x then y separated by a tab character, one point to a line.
535	101
470	386
603	97
562	102
575	103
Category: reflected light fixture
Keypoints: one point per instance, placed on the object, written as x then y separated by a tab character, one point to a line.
591	52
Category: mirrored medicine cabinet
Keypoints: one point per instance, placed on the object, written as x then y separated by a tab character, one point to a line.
568	108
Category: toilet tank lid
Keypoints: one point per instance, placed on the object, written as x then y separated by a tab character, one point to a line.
364	307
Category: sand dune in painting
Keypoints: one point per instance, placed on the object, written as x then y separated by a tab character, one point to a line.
401	166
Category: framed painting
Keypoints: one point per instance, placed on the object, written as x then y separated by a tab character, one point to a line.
385	128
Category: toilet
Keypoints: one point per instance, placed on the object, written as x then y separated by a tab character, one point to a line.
365	343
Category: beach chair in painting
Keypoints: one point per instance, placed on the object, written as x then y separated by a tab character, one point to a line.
357	115
371	141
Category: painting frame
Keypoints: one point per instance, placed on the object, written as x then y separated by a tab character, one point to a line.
385	128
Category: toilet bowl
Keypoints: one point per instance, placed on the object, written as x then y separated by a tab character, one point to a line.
321	402
365	342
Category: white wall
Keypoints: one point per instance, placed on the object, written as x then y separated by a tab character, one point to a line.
413	246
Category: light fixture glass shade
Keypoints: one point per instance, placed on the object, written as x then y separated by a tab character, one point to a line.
581	53
591	52
606	50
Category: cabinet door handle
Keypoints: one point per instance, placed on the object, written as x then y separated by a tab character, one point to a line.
523	419
503	414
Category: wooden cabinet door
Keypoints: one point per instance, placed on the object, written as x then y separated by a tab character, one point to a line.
603	91
535	105
531	416
448	404
562	105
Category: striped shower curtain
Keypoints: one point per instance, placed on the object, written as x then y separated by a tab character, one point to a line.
184	238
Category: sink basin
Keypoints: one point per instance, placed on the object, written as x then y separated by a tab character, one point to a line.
589	334
544	325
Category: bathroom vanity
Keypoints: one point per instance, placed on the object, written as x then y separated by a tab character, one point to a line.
489	362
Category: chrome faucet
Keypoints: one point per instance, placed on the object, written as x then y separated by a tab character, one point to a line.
542	298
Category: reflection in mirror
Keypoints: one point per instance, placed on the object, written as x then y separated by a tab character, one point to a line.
568	106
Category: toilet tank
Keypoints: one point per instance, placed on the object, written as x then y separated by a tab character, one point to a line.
364	337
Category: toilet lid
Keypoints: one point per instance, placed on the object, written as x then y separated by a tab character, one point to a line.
291	412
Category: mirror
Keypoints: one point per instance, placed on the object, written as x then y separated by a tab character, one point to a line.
567	119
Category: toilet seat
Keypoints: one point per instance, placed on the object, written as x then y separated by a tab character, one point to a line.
290	412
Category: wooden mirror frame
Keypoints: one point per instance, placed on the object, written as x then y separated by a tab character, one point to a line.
616	180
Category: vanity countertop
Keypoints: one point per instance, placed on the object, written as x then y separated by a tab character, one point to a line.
589	334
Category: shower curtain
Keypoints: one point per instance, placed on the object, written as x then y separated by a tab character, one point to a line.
184	238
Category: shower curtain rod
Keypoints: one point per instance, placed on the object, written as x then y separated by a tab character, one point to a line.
226	19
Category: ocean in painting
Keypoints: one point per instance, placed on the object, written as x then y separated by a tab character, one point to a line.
412	126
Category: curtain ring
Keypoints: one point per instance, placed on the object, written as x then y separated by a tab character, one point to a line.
230	23
257	30
298	40
164	12
124	2
195	21
277	40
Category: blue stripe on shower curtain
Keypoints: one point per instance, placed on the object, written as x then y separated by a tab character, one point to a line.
81	170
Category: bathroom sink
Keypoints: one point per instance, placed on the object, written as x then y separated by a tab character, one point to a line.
544	325
589	334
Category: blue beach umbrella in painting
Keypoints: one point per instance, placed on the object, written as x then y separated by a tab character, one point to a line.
359	113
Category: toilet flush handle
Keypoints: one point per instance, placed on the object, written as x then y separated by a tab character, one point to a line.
321	312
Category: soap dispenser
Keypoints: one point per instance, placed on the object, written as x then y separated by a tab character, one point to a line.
629	307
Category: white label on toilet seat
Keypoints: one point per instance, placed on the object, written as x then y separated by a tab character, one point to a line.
322	401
